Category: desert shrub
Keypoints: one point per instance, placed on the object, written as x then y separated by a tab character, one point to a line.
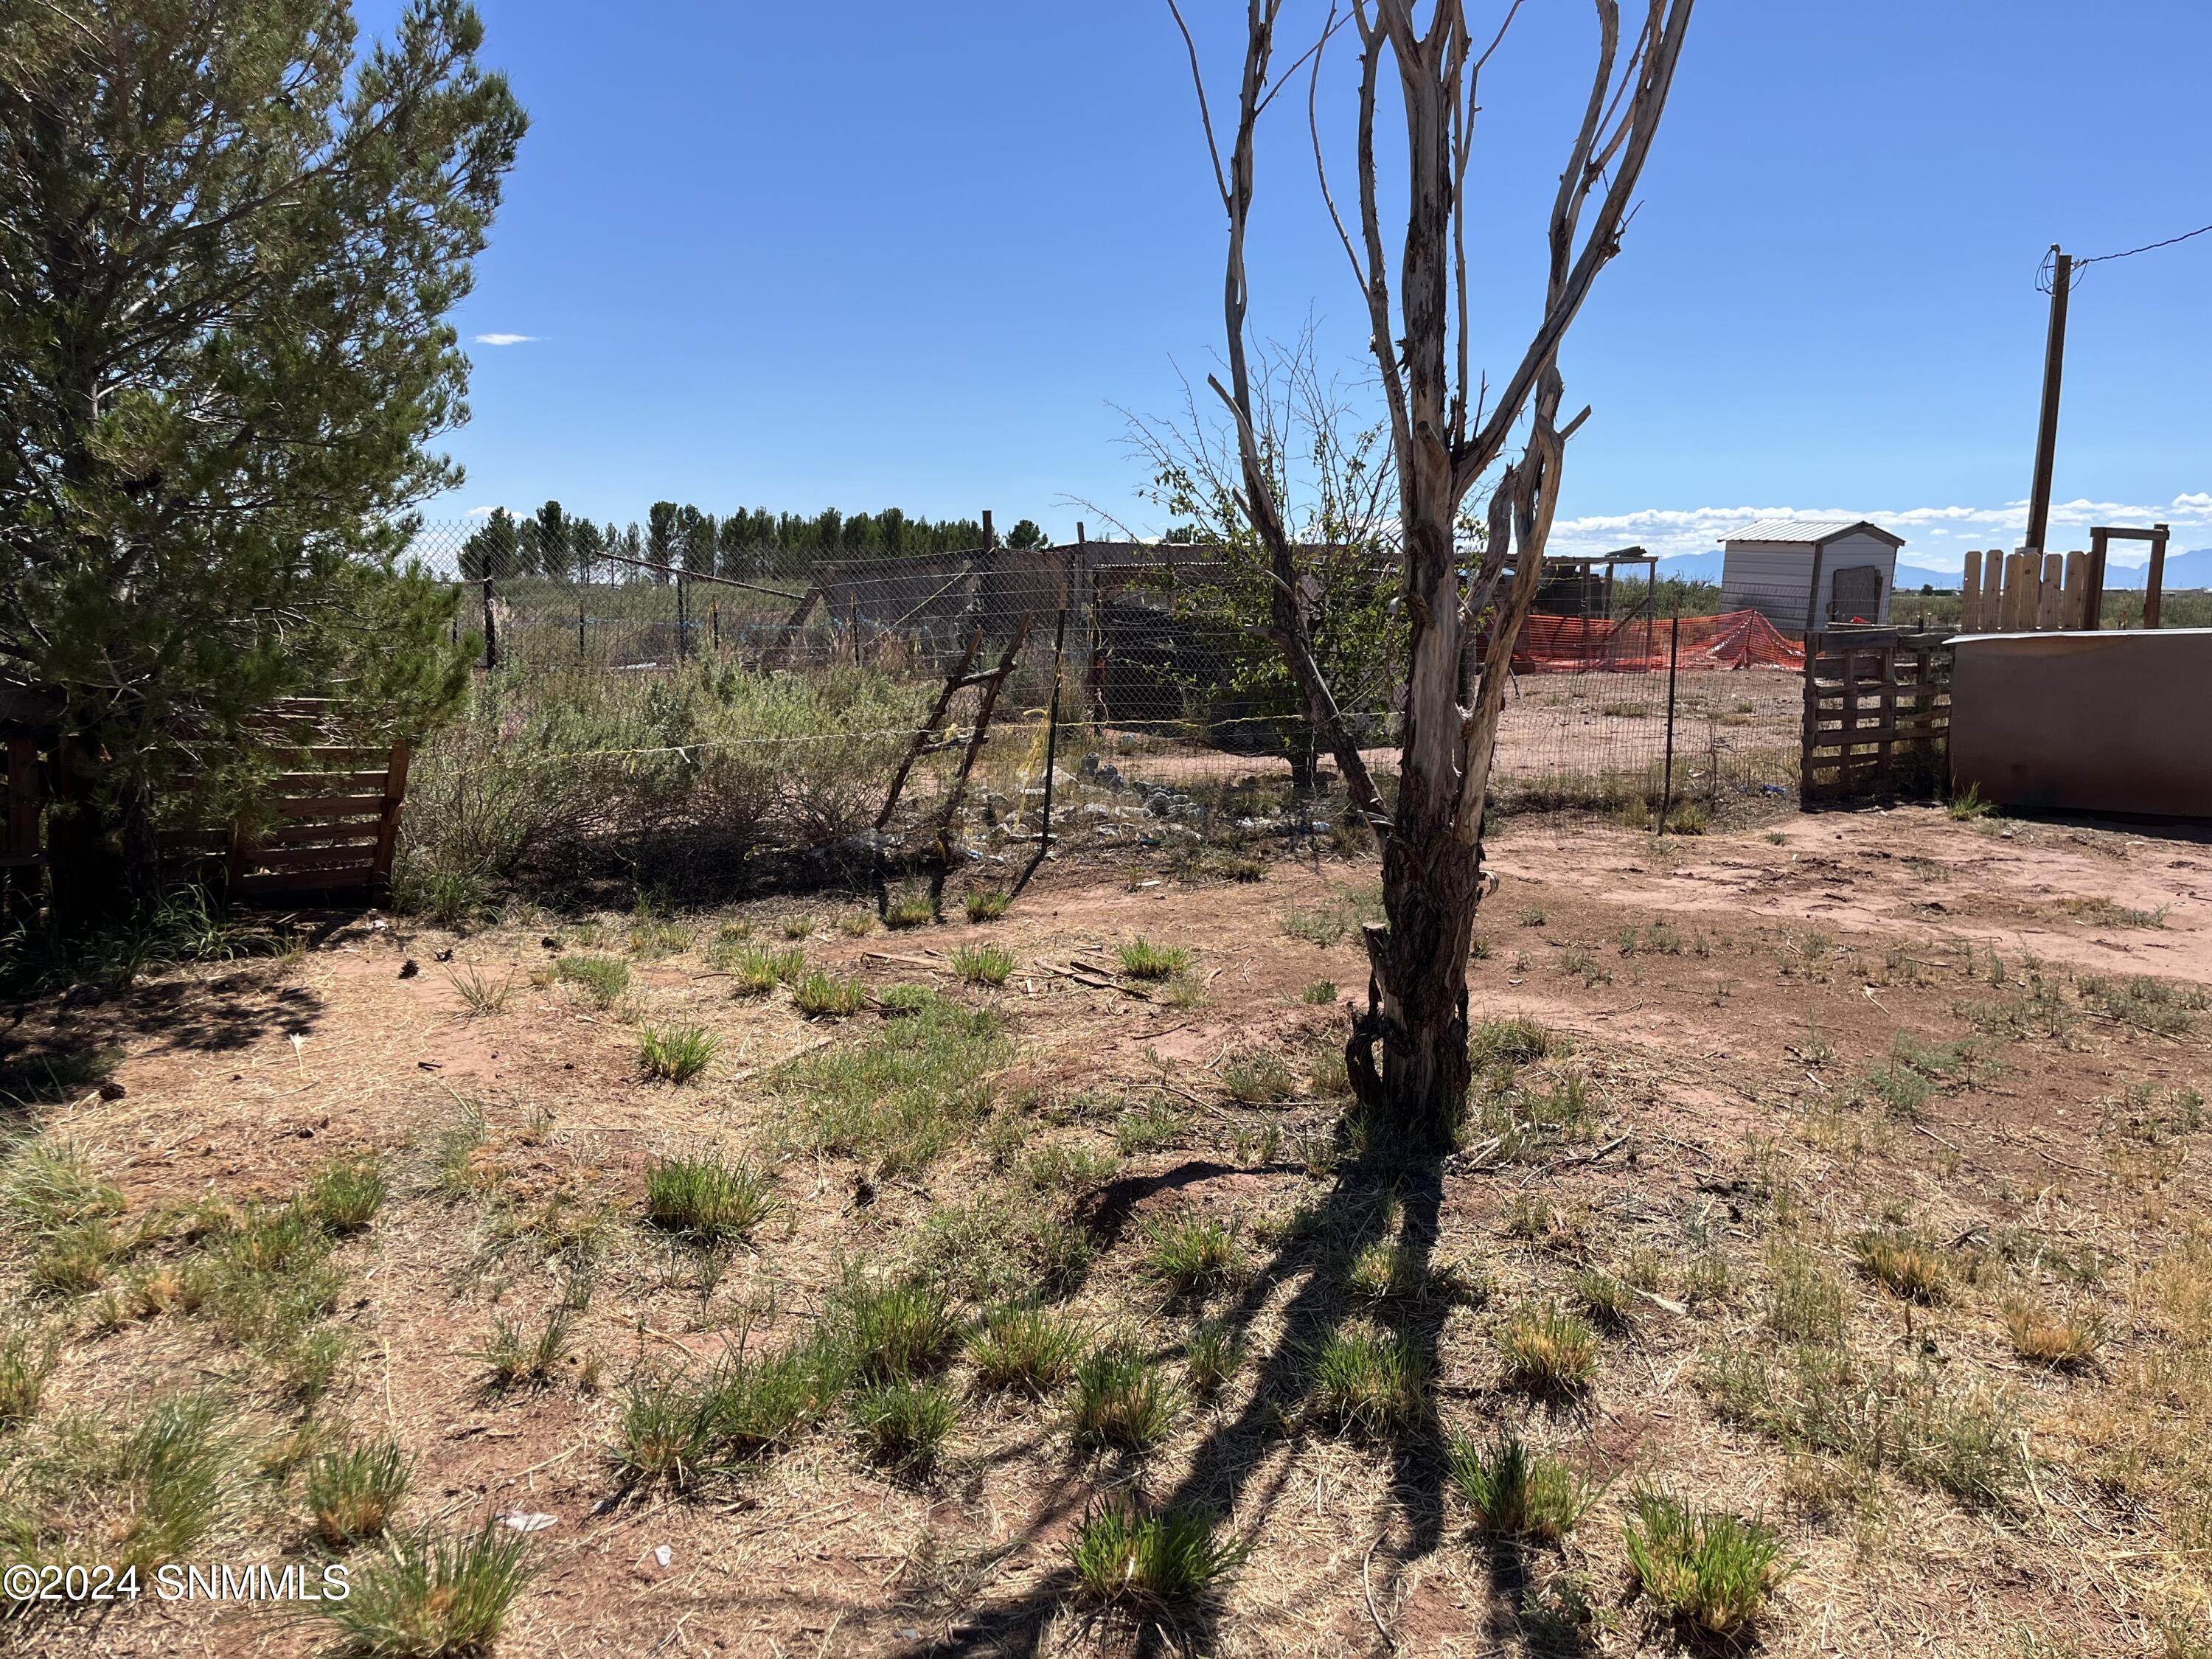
562	769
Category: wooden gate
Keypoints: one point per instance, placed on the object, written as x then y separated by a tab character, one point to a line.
1877	714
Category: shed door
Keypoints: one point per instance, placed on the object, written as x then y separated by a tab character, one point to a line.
1856	594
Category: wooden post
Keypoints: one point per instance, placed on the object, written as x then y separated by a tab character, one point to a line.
1970	595
715	625
1051	736
1810	732
580	650
2047	428
491	628
683	622
1886	752
2154	580
2020	591
387	823
2093	597
2069	601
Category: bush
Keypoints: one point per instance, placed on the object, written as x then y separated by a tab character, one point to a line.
429	1596
1703	1569
676	1053
556	770
1147	1560
708	1197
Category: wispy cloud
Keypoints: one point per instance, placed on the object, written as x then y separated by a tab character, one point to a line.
505	339
1935	535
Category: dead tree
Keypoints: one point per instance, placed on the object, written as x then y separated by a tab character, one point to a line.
1446	441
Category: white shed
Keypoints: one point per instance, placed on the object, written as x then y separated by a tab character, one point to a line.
1801	572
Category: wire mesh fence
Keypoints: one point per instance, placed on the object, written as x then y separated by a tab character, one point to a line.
641	714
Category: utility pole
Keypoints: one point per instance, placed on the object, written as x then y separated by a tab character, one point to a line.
2046	432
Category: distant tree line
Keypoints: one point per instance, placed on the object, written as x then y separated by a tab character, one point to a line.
673	538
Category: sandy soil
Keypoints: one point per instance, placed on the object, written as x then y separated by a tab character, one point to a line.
1727	1052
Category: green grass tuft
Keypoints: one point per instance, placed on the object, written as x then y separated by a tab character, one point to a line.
1141	959
983	965
1514	1492
708	1197
1710	1571
1368	1382
427	1596
353	1493
676	1053
1147	1561
1122	1399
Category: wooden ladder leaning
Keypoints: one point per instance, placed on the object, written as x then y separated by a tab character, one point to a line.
927	742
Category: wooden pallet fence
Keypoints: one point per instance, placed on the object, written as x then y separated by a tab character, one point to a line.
1877	714
2005	592
329	822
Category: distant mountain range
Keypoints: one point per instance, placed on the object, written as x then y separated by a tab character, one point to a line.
2192	569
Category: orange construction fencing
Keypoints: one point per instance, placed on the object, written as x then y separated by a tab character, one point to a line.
1571	645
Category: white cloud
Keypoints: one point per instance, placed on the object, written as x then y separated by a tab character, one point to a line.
505	339
1935	535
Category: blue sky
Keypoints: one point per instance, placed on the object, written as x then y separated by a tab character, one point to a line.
877	254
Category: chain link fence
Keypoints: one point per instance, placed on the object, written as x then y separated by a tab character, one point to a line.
645	717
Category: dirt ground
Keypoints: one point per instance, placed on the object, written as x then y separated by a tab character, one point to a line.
1730	1007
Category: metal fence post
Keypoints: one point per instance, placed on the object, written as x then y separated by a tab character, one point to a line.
1051	748
1673	652
491	628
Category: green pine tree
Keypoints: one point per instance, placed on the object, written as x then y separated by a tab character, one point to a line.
228	247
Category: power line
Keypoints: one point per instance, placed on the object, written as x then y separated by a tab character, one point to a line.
2043	274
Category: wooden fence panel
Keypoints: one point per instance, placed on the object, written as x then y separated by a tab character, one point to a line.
1877	714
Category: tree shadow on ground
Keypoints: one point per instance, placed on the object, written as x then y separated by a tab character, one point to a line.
1236	1473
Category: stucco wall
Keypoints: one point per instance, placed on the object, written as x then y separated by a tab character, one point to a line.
2111	721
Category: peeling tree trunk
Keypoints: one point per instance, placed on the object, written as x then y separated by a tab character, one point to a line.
1445	441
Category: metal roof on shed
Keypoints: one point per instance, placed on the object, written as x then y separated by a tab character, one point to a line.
1807	530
